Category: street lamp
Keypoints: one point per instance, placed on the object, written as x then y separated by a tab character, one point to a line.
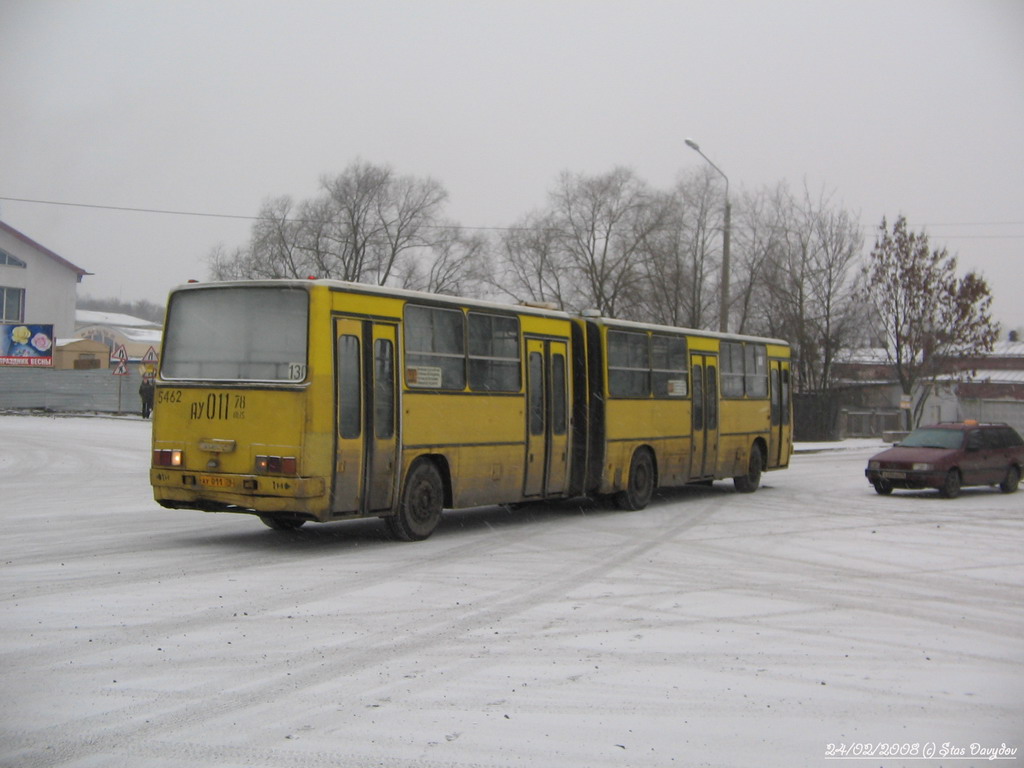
723	310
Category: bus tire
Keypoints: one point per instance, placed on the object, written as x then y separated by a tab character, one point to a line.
750	482
639	484
282	522
420	508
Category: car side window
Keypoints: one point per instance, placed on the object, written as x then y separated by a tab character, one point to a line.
974	440
1011	438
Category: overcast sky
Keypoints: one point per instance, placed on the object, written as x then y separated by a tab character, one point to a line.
896	106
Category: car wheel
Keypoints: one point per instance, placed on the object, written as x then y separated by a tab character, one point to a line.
951	486
882	487
1009	485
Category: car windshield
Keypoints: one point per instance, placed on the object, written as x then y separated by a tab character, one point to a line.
934	438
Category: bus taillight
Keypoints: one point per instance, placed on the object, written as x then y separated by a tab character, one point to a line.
163	457
277	465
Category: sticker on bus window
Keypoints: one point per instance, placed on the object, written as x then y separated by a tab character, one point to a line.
423	376
296	371
677	387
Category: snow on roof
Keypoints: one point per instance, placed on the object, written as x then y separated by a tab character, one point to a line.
862	355
1007	349
142	335
92	317
996	376
75	340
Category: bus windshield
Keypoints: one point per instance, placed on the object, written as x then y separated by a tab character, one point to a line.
236	334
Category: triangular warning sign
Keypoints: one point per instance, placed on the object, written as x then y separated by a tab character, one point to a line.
150	356
121	369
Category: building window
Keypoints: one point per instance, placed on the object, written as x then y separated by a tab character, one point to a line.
10	261
12	305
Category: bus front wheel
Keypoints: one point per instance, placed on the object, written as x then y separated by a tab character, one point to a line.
639	484
422	500
749	482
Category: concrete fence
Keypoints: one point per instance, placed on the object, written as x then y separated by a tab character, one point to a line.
54	390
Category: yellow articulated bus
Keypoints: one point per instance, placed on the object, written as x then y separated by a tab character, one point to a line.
320	400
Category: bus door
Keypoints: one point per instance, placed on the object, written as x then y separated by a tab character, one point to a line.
367	421
778	450
704	452
547	418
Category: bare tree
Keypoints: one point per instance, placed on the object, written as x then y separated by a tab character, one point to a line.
603	223
799	260
684	253
453	265
531	266
759	235
927	314
367	224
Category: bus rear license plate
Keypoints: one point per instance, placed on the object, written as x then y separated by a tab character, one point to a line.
894	475
213	481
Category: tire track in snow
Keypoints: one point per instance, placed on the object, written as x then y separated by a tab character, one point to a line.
411	638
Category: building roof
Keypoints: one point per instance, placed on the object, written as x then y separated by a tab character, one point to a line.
1007	349
996	377
85	317
42	249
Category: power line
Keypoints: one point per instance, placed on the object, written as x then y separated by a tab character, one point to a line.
167	212
240	217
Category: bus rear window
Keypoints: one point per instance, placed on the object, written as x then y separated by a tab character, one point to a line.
236	334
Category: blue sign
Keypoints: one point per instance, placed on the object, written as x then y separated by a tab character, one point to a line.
26	345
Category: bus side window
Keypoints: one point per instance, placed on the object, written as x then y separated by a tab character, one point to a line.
756	370
536	393
698	398
712	397
785	396
776	397
558	395
349	389
383	388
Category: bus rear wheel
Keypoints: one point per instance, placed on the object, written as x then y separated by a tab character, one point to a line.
639	484
282	522
750	482
420	508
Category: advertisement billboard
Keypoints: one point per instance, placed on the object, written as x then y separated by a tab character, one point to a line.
26	344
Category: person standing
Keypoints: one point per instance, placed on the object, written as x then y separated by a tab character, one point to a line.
146	391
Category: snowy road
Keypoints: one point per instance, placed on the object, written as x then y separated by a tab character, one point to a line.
711	629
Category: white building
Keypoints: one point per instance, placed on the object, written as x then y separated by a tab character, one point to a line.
37	287
136	335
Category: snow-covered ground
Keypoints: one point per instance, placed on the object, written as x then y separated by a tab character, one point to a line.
711	629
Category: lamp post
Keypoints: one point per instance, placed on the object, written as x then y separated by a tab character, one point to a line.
723	310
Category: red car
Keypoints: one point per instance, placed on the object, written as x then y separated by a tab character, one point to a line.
949	456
